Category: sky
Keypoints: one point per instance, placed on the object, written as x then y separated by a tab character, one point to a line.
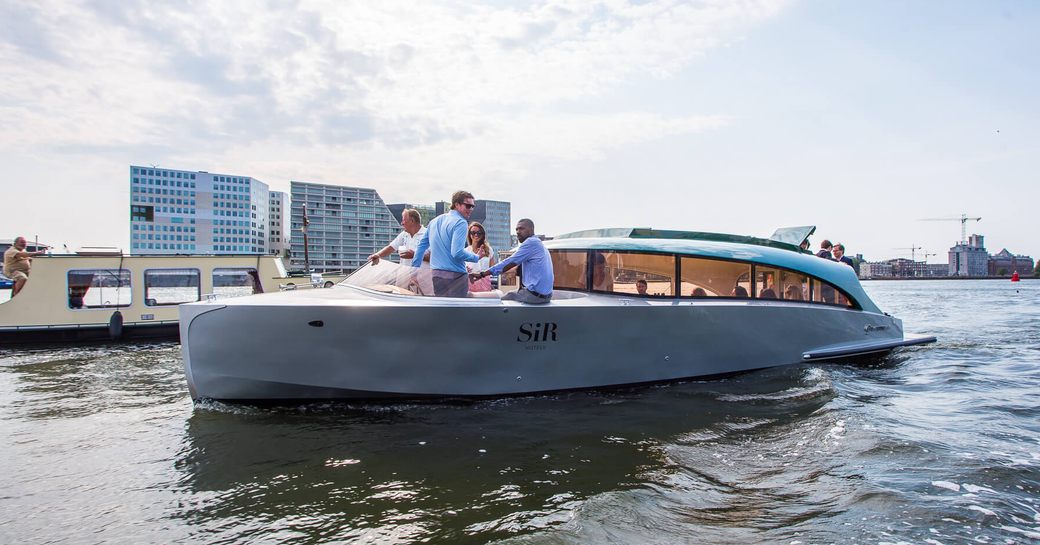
861	118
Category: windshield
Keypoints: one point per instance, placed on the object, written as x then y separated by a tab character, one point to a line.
389	277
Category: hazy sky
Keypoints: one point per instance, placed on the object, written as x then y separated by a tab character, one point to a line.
858	117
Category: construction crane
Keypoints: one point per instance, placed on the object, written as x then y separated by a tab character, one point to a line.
963	219
927	255
913	248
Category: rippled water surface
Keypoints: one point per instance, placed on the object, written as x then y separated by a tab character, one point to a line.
938	444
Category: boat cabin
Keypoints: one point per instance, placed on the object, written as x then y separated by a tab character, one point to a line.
658	265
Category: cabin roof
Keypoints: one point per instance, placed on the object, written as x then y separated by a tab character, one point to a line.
781	239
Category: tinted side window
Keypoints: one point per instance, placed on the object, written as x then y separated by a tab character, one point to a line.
714	278
569	268
766	279
828	294
634	273
793	286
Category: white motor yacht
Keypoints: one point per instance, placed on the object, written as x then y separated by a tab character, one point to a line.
629	306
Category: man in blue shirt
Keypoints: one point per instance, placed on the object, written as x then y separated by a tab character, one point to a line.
536	282
445	237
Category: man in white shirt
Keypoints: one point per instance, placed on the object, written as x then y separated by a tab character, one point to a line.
406	242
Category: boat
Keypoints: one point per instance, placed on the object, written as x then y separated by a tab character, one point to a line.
714	304
103	294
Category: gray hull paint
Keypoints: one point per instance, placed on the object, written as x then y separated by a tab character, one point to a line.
376	347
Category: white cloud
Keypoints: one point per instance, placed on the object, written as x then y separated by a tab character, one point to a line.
394	93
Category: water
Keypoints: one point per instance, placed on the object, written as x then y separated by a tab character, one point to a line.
937	444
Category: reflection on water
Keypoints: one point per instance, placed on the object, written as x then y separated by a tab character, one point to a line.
937	444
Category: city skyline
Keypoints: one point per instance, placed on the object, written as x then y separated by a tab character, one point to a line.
726	117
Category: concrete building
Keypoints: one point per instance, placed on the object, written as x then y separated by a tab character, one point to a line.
881	269
496	218
347	224
1004	263
493	215
196	212
970	258
278	215
426	211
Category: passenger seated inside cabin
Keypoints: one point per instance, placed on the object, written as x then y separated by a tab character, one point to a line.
641	286
793	293
601	278
739	291
699	292
767	288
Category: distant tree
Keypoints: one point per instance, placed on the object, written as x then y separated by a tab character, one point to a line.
1036	271
1002	272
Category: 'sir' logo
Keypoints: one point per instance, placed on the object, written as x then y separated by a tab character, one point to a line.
537	332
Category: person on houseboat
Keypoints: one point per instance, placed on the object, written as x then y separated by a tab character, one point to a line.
18	262
641	286
445	237
536	282
406	241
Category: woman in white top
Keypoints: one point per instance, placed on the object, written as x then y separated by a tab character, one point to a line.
477	243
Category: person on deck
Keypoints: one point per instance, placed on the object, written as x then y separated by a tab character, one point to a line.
18	262
445	237
537	271
839	255
406	241
825	250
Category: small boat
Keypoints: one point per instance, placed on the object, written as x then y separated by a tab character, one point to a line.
629	306
102	294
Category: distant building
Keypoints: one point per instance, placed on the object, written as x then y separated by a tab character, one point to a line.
347	224
875	269
426	211
970	258
493	215
186	212
1009	263
496	218
279	224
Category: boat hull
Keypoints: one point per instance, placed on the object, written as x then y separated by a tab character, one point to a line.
368	350
165	331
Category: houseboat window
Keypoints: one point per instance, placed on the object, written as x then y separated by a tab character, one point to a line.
171	286
621	272
236	282
99	288
714	278
569	269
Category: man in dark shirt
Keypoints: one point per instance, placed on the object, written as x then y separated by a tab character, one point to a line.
825	250
839	255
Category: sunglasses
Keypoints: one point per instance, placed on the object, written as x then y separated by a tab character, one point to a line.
468	206
476	232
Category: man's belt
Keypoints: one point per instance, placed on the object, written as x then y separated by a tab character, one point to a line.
536	294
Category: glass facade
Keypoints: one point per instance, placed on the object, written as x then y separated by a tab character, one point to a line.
184	212
347	224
